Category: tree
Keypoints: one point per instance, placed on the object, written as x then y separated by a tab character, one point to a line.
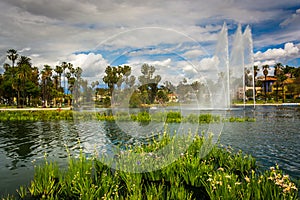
23	73
59	70
149	83
13	56
113	77
94	84
256	69
277	73
265	69
162	96
281	78
64	66
46	83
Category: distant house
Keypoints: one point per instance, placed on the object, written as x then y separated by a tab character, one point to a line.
172	97
267	83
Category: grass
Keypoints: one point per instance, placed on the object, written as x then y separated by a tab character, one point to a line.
217	174
168	117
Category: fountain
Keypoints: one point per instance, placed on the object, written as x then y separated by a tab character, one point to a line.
235	68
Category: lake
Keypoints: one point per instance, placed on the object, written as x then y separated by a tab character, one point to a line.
273	138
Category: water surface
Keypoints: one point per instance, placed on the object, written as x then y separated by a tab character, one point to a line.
273	138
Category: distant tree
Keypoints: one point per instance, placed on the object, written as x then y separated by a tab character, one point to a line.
23	73
162	96
13	56
256	69
148	82
277	73
265	69
114	76
59	70
46	84
281	78
94	84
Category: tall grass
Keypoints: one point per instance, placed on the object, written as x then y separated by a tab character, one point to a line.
220	174
168	117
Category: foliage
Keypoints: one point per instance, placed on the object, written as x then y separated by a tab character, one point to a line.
221	174
143	116
148	82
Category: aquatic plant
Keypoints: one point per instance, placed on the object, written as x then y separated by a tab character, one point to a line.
220	174
167	117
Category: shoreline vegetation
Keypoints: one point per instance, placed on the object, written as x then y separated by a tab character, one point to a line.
219	173
143	116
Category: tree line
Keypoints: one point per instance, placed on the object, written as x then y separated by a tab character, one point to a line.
23	84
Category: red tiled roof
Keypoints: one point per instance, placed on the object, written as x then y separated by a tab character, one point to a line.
269	78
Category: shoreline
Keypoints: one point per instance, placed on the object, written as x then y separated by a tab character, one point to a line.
32	109
268	104
70	108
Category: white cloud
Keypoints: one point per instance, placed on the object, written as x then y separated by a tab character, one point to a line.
195	53
280	54
55	31
93	65
295	18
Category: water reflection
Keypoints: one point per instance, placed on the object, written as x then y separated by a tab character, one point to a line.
273	138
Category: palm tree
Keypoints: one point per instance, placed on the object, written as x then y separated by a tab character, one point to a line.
23	72
68	76
277	72
265	69
256	69
281	78
13	56
94	84
59	70
64	67
78	73
46	83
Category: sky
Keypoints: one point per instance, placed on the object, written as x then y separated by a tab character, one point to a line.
178	37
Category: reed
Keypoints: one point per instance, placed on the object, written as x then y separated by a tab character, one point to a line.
221	174
167	117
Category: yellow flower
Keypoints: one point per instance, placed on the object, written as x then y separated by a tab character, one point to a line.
227	176
286	189
229	188
210	179
294	188
247	179
221	169
237	183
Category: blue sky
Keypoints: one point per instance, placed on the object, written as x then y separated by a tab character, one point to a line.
178	37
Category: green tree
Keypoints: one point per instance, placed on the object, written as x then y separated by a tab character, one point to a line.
277	73
47	84
13	56
94	84
148	82
162	96
23	73
265	69
113	77
281	78
59	70
256	69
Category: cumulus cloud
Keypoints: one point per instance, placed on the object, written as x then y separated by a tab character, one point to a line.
93	65
54	32
276	54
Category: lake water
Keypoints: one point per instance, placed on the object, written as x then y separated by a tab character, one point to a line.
273	138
